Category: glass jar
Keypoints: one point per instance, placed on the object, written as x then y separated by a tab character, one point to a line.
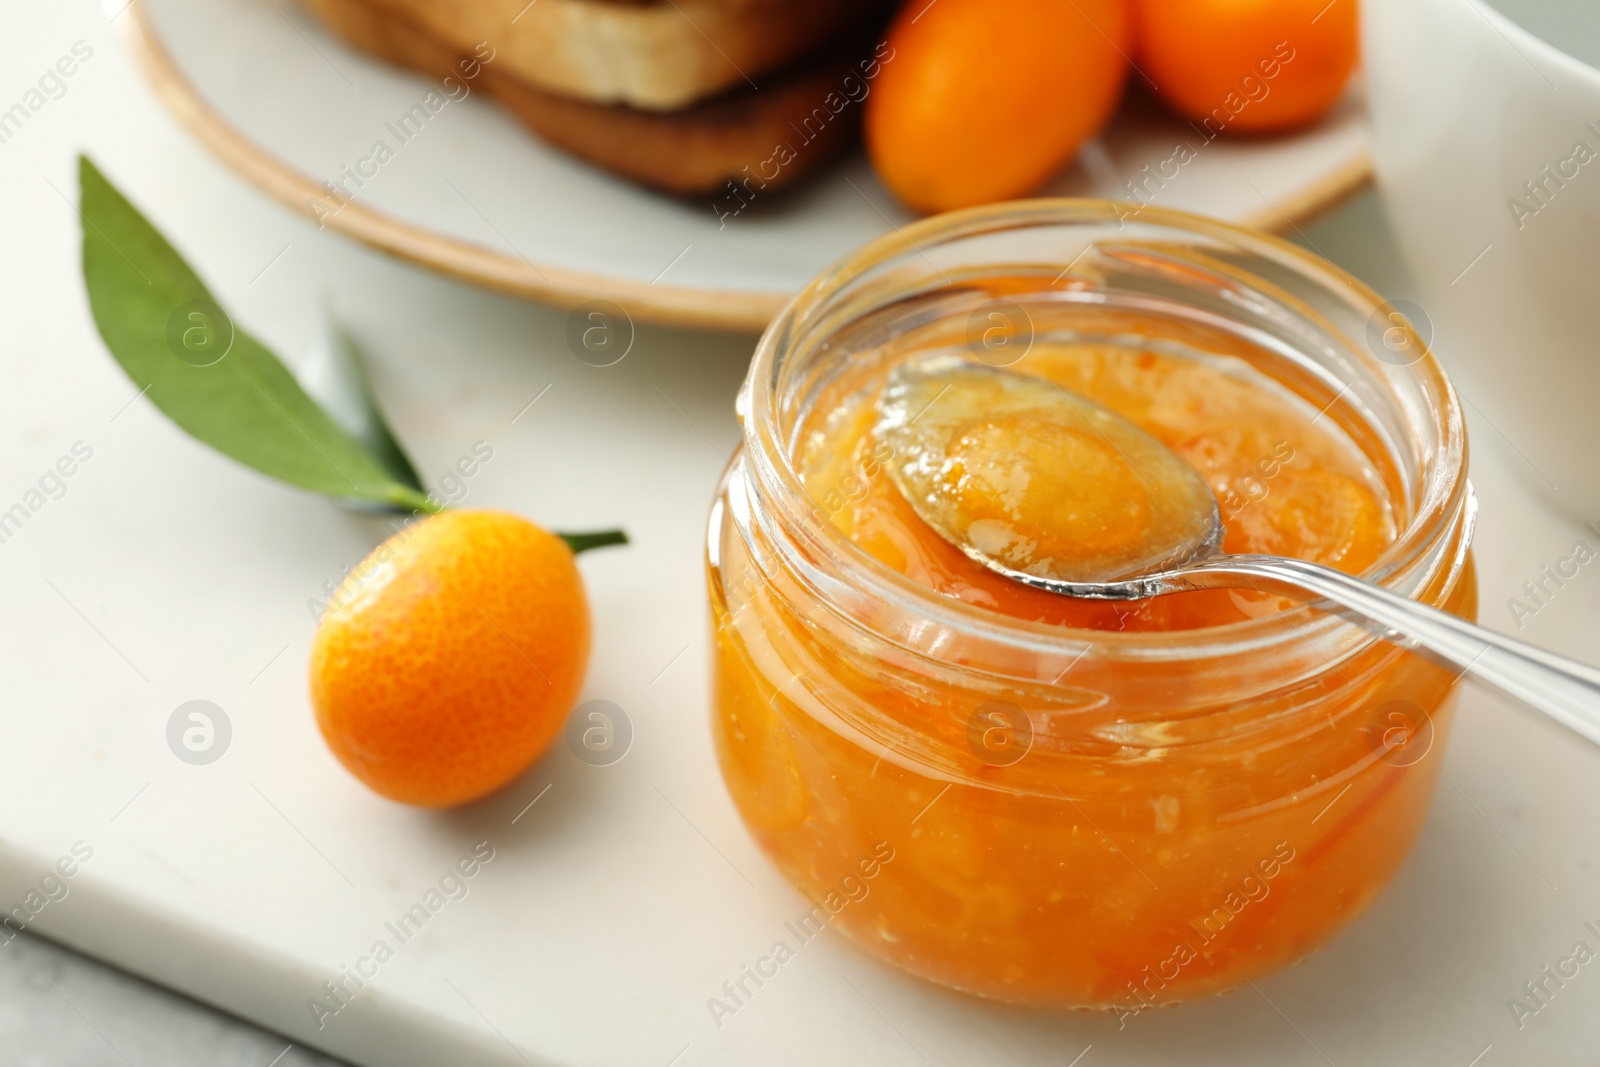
1066	817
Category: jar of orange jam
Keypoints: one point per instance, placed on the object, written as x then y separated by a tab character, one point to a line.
1081	803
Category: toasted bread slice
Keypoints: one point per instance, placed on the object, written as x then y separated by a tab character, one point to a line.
657	55
770	137
757	139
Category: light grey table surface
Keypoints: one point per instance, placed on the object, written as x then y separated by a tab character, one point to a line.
59	1008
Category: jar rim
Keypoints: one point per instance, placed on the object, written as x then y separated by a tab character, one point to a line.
1443	505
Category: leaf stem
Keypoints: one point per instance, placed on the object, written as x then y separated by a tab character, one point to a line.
414	501
582	542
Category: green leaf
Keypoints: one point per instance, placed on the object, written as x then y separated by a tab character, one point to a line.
211	378
335	376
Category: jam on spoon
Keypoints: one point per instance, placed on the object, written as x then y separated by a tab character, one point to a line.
1017	471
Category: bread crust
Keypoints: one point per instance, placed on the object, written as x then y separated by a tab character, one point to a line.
730	147
655	55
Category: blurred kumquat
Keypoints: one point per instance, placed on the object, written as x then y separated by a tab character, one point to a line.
1248	66
983	100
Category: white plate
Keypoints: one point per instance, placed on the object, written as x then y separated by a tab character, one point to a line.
290	106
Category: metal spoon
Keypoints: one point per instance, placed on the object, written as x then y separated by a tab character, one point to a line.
925	405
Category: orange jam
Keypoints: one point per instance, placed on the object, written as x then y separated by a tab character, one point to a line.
1076	803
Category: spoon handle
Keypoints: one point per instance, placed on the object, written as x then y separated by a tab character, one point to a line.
1564	689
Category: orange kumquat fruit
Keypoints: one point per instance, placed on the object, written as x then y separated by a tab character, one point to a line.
1248	66
451	657
984	100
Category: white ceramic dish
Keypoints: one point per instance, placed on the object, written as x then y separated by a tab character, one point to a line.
1487	141
289	106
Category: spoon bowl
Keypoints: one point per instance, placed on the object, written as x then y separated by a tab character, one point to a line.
1039	483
